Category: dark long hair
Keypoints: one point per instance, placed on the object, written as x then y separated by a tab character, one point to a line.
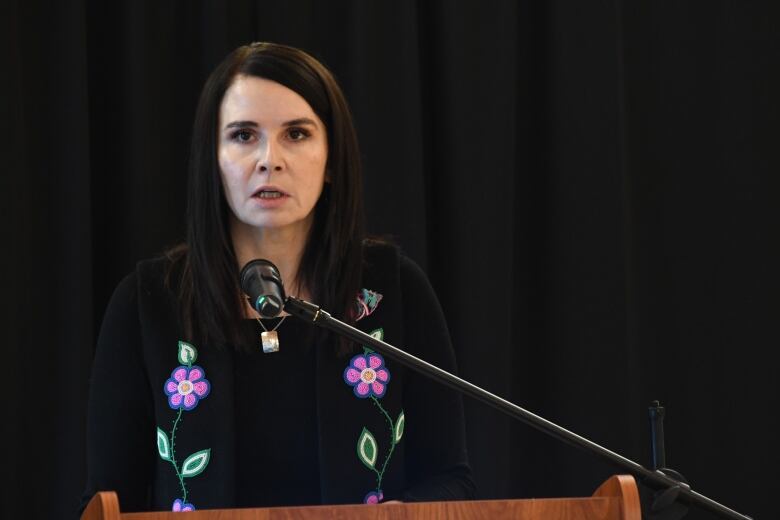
330	268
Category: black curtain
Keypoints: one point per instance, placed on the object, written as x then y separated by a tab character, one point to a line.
591	187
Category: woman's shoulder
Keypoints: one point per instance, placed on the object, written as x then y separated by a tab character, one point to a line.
153	279
381	259
385	262
163	271
377	249
143	297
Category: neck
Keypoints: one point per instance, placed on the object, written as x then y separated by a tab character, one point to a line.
282	246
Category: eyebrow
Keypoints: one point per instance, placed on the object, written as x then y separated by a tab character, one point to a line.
240	124
293	122
300	121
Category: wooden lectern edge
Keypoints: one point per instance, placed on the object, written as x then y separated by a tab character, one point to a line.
620	491
103	506
624	488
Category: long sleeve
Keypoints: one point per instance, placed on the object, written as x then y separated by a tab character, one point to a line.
120	415
436	455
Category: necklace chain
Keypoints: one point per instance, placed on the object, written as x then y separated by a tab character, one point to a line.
261	321
275	327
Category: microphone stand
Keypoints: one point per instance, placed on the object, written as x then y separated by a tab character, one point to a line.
313	314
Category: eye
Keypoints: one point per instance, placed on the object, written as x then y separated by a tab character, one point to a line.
242	136
298	134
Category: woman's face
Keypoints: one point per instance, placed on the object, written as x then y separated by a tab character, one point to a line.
272	152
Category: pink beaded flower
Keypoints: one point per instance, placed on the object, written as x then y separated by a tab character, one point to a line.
186	386
374	497
180	505
367	374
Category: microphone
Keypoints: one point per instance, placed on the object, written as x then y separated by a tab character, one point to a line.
260	280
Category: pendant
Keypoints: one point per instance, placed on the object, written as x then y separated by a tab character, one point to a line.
270	340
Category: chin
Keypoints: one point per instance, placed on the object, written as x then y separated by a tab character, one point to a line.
276	222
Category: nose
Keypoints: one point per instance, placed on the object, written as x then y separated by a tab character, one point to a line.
268	158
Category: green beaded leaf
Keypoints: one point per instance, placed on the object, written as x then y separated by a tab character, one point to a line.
398	430
195	463
376	334
187	353
367	449
163	446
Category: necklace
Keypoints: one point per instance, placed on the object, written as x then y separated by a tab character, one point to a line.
270	338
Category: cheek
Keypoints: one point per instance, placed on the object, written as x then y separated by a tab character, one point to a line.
232	174
316	168
316	179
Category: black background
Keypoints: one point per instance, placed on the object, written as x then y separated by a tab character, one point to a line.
591	187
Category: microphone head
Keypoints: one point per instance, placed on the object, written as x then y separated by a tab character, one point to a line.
261	281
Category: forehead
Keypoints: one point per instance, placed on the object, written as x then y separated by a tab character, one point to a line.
263	101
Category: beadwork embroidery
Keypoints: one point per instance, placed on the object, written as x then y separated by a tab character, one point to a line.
369	377
186	387
178	506
373	497
367	302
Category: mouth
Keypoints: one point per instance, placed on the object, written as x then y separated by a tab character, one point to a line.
269	193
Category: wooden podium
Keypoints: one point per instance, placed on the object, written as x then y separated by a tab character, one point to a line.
617	498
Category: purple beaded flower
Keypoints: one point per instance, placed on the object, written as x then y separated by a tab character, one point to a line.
367	375
374	497
180	505
186	387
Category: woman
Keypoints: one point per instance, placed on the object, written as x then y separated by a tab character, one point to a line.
274	174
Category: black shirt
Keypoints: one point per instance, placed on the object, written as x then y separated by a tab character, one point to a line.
279	428
275	420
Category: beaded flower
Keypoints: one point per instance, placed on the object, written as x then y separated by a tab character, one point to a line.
186	387
180	506
367	375
373	497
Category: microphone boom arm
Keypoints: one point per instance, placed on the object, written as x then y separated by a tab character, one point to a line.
313	314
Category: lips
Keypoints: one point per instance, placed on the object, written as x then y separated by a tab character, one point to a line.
269	193
270	197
